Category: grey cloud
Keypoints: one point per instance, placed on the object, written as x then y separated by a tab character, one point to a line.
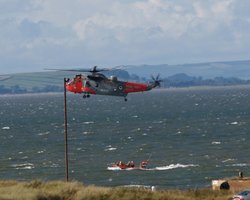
30	29
8	7
38	33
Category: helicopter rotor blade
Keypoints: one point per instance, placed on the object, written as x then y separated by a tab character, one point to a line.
152	77
93	70
157	77
66	70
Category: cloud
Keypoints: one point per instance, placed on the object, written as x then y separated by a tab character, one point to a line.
92	32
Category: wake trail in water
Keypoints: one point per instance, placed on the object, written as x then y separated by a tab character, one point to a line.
160	168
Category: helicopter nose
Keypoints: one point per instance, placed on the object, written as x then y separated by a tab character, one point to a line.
69	88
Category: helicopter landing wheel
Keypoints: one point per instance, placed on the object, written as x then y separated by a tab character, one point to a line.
88	95
84	96
125	99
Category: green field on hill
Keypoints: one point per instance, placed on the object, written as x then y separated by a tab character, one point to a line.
36	79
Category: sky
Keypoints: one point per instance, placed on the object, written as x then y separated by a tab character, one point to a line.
37	34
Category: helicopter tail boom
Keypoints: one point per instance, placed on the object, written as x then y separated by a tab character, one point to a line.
135	87
140	87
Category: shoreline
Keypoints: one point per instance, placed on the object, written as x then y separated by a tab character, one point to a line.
167	89
11	189
198	88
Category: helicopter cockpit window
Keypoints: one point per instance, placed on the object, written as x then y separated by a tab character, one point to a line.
78	78
71	82
113	78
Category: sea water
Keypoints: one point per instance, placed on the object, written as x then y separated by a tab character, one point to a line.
190	137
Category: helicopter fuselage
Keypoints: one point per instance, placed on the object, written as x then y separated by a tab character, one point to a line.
102	85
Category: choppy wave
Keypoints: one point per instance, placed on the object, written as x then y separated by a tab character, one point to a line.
216	142
87	132
118	169
90	122
174	166
43	133
6	128
23	166
140	186
228	160
110	149
239	165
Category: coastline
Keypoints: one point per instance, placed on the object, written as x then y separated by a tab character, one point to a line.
54	190
166	89
199	88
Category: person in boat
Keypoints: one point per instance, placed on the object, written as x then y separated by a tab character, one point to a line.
122	165
143	164
130	164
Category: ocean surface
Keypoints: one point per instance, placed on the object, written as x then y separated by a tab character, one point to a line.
190	137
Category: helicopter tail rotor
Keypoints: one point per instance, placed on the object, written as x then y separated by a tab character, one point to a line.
156	80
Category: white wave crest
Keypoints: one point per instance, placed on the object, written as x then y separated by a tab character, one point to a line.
23	166
91	122
6	128
240	165
139	186
228	160
44	133
110	149
174	166
118	168
215	142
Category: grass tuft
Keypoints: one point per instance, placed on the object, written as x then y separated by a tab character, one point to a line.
59	190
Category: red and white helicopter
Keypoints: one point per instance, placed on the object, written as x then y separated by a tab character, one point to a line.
97	83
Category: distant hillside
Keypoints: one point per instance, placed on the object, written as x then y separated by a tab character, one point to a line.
37	79
213	74
183	80
238	69
2	78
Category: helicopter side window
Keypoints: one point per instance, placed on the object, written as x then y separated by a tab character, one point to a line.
71	82
84	83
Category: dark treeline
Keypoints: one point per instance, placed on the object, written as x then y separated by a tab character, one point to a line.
183	80
12	90
177	80
20	90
